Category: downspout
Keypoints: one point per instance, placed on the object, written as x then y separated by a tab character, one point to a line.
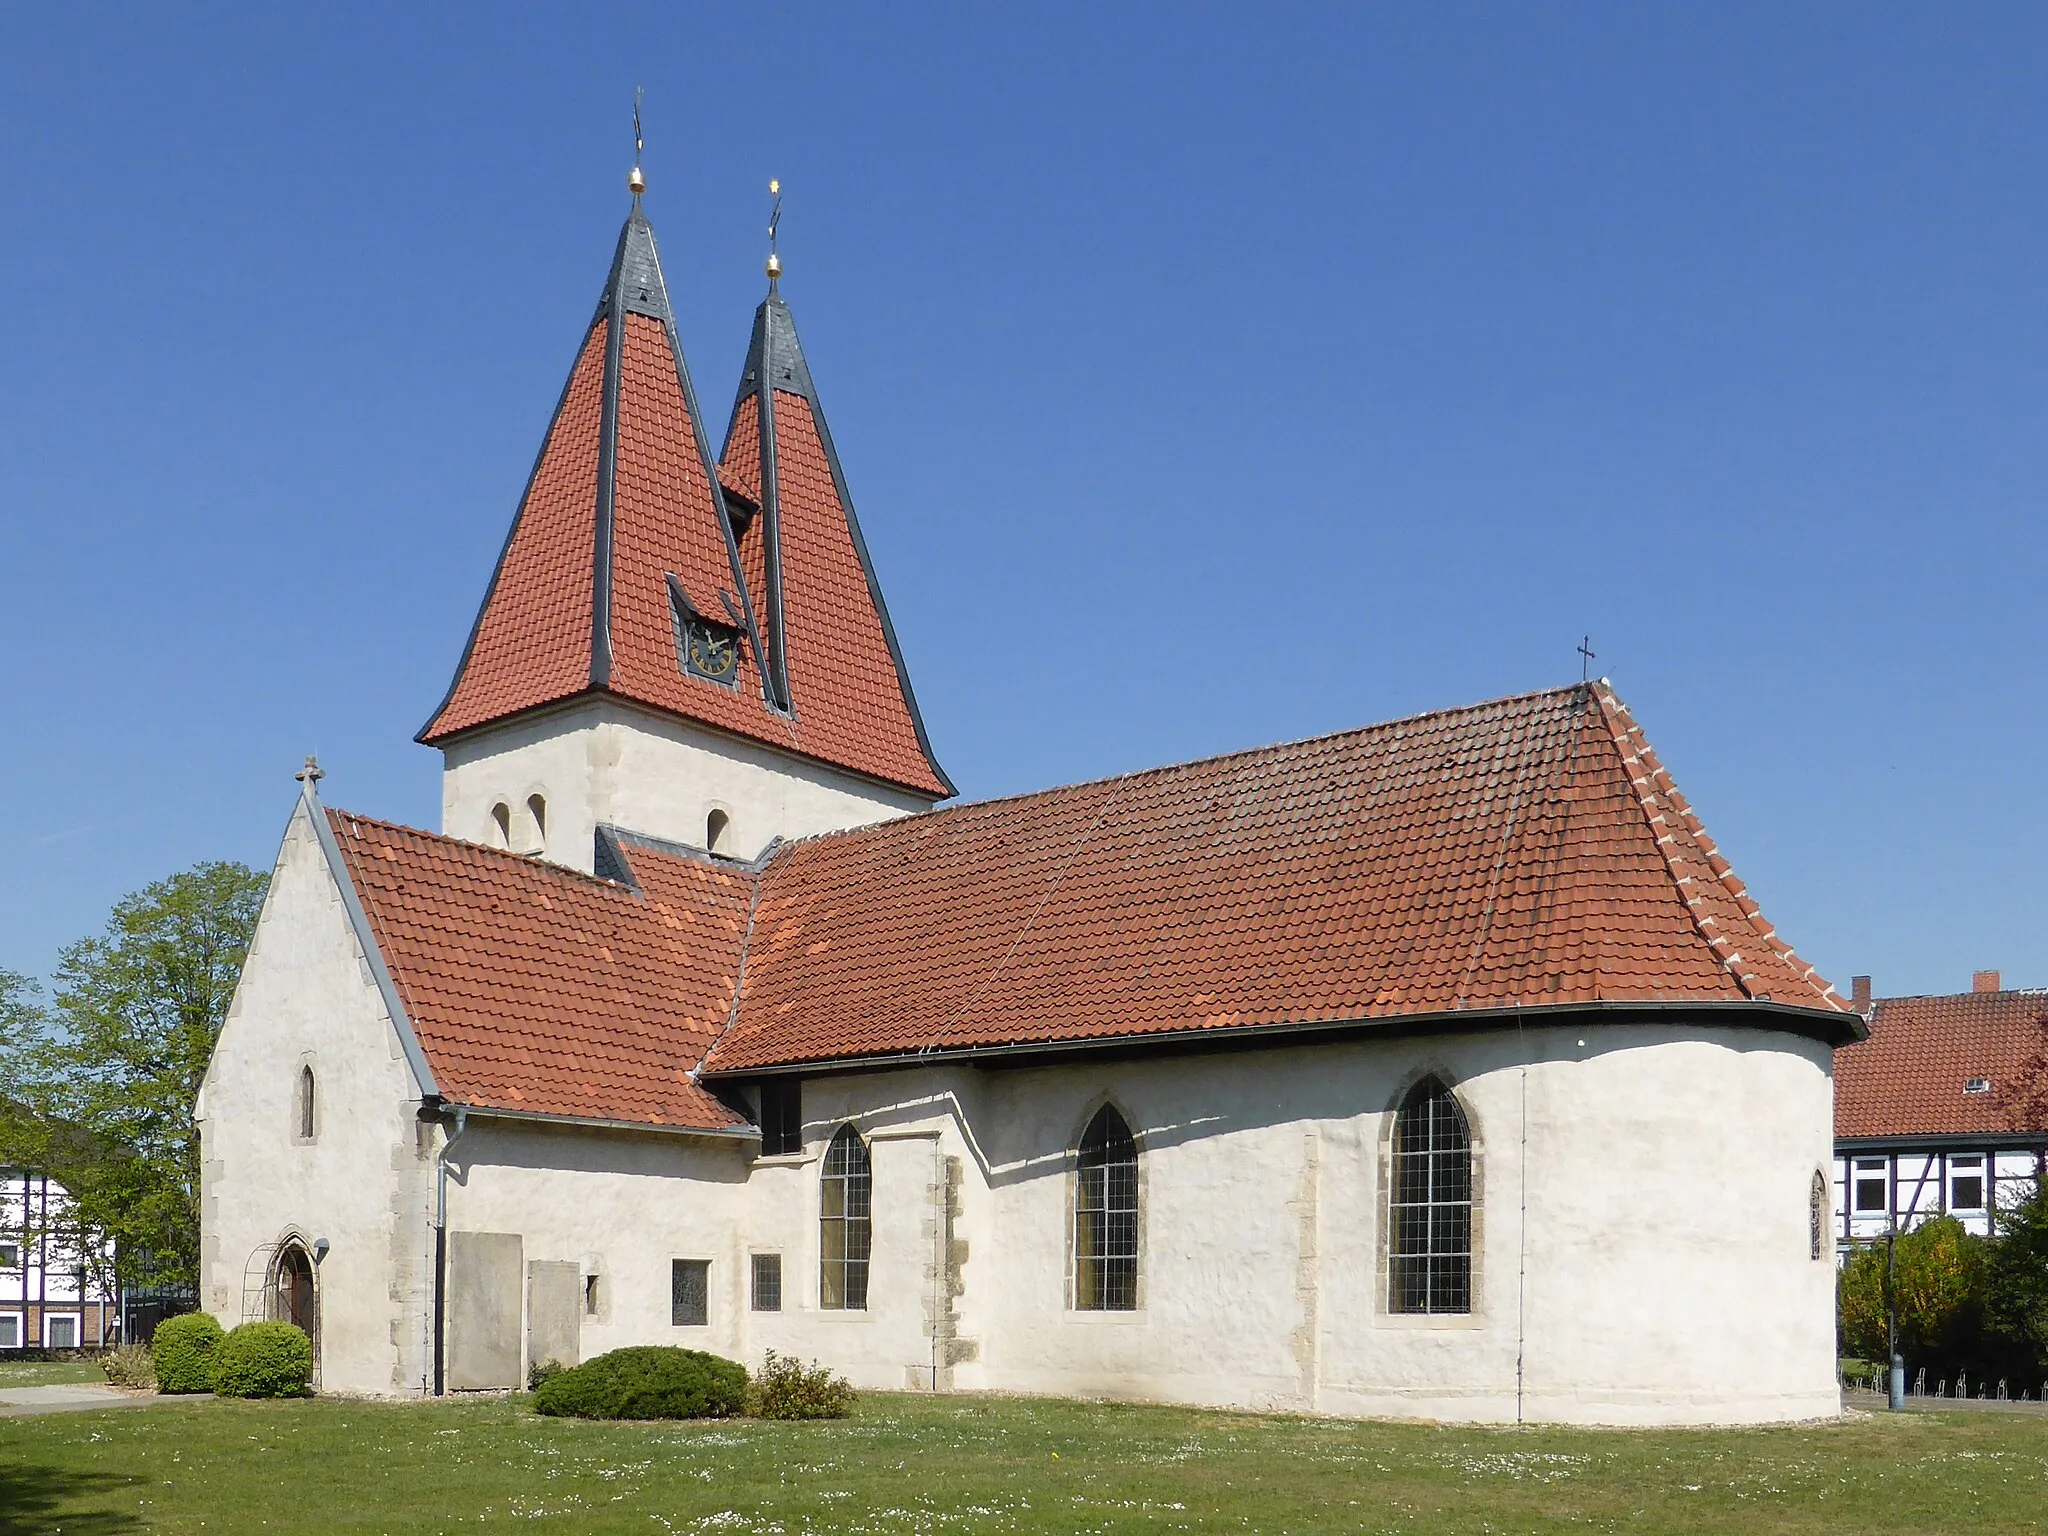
441	1252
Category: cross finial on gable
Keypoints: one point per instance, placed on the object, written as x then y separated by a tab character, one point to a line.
310	774
1586	655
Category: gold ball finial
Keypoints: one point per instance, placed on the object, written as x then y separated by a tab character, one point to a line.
774	266
635	182
774	189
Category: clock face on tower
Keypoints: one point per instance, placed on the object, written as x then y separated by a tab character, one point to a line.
711	651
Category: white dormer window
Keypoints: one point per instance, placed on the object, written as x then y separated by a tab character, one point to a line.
1977	1085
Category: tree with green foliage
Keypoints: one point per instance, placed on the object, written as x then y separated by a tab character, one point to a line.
1936	1285
105	1077
2016	1279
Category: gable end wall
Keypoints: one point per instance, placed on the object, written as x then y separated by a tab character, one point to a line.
308	997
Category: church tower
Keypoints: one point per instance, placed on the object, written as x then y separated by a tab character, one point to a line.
688	648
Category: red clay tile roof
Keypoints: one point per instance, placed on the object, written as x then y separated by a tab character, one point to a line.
621	500
846	677
1907	1078
539	990
1527	851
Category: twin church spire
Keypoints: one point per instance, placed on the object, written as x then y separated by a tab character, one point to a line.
734	592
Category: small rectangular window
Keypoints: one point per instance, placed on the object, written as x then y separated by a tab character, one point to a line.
590	1294
1966	1183
10	1256
767	1282
1873	1186
60	1331
782	1117
10	1330
690	1293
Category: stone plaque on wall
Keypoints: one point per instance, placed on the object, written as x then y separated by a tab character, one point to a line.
483	1310
554	1310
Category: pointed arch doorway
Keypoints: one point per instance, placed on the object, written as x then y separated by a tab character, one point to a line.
295	1294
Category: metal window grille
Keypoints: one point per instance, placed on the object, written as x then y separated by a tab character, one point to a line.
1106	1217
845	1226
767	1282
689	1290
1430	1209
1817	1215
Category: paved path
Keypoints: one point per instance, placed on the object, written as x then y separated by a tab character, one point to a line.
1874	1402
21	1402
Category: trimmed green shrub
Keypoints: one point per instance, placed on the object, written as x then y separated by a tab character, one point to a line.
184	1349
647	1381
263	1360
541	1372
787	1389
129	1365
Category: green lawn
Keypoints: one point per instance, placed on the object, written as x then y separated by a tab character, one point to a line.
40	1373
909	1464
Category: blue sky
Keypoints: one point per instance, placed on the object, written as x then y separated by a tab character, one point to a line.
1204	377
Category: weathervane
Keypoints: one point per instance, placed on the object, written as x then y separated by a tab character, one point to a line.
774	223
636	183
1586	655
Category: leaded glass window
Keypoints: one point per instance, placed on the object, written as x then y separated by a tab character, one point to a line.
1106	1217
689	1295
767	1282
846	1229
1429	1260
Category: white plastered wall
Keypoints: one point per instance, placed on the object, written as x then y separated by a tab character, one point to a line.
1662	1272
363	1182
604	762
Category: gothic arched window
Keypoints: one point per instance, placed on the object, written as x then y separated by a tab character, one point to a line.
1106	1216
1817	1214
537	808
501	824
716	826
306	1089
1429	1246
845	1227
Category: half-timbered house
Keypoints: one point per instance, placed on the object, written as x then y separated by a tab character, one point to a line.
1943	1111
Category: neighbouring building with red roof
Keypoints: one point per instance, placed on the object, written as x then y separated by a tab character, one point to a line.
1440	1068
1943	1111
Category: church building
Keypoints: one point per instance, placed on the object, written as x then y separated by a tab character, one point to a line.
1440	1068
